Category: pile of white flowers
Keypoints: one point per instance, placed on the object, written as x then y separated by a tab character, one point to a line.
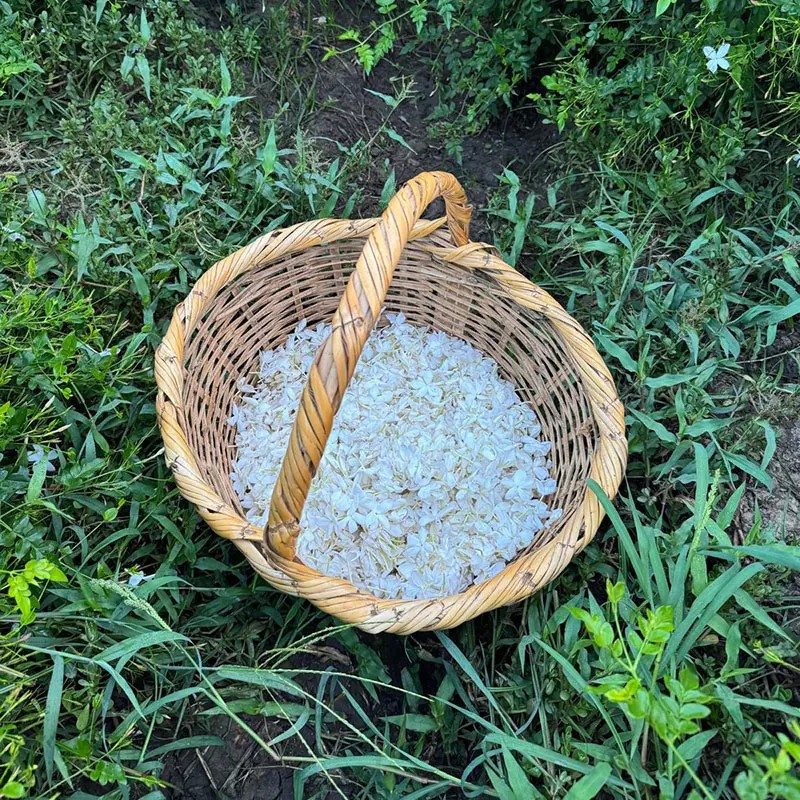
433	477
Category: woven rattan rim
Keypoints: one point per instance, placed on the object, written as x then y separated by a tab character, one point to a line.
272	556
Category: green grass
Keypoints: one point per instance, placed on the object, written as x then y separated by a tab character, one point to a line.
663	663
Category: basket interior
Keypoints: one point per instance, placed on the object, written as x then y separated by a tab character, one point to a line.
261	308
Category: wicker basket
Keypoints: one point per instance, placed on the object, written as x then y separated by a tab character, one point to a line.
253	299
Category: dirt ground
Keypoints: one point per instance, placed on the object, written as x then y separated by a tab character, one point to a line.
780	508
345	112
349	112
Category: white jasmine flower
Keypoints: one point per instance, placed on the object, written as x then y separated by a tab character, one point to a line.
434	474
37	454
137	577
716	58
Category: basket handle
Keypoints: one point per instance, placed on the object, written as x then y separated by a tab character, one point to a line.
336	359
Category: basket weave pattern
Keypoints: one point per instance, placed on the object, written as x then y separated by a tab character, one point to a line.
253	299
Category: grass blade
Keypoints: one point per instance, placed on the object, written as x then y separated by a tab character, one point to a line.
51	713
628	547
589	785
710	600
469	670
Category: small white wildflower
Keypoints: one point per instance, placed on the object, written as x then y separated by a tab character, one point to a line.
37	454
716	58
137	577
433	477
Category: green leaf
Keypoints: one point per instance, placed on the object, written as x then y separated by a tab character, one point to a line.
725	517
791	266
188	743
37	204
616	233
731	705
129	647
169	179
709	602
615	591
662	6
259	677
604	635
229	210
389	189
707	194
590	785
548	756
36	484
127	65
419	723
614	350
376	762
749	467
177	166
600	246
469	670
733	644
746	601
772	705
37	570
517	779
701	485
768	314
770	442
12	789
579	683
625	693
501	788
144	28
655	426
19	591
419	14
143	68
390	101
628	547
782	555
366	56
52	711
706	426
132	158
393	134
782	313
269	153
225	76
140	284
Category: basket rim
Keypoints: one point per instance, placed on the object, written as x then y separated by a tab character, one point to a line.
521	577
